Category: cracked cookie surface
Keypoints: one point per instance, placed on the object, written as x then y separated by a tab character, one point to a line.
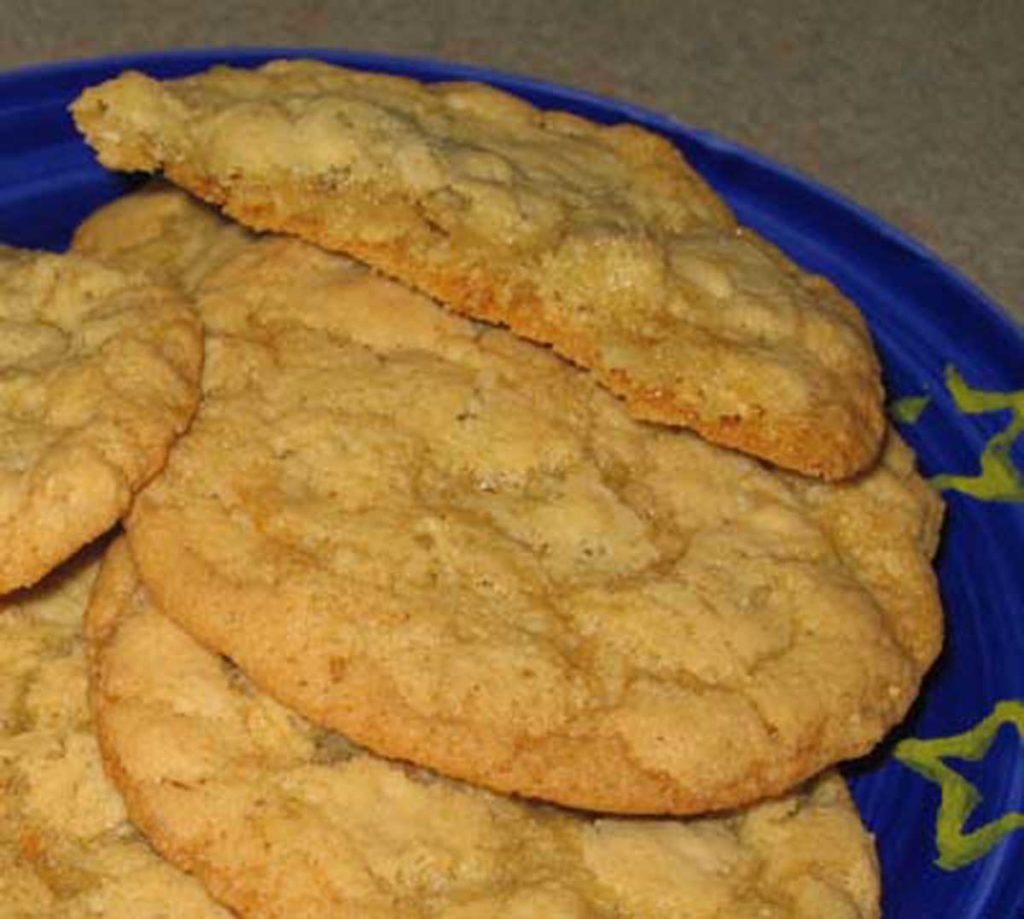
281	819
459	550
67	850
162	232
99	372
600	241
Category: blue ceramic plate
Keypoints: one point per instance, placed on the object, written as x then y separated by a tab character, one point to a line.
944	794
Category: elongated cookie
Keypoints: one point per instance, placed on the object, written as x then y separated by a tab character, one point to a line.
459	550
67	850
281	819
600	241
99	372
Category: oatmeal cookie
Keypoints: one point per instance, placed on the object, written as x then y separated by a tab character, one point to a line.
67	850
281	819
457	549
99	372
600	241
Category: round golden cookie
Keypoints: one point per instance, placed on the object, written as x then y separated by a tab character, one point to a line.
99	372
67	850
280	819
457	549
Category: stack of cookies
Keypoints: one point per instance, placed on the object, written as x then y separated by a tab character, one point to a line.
506	531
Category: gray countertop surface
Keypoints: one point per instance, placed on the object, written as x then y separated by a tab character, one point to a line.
913	109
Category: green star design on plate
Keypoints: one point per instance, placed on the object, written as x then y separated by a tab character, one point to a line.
999	479
959	797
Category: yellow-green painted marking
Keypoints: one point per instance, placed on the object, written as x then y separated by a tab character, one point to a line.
959	797
999	479
908	409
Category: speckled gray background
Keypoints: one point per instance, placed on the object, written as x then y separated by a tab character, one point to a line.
914	109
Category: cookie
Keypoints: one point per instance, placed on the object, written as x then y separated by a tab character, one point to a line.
161	231
457	549
600	241
67	850
279	818
99	372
